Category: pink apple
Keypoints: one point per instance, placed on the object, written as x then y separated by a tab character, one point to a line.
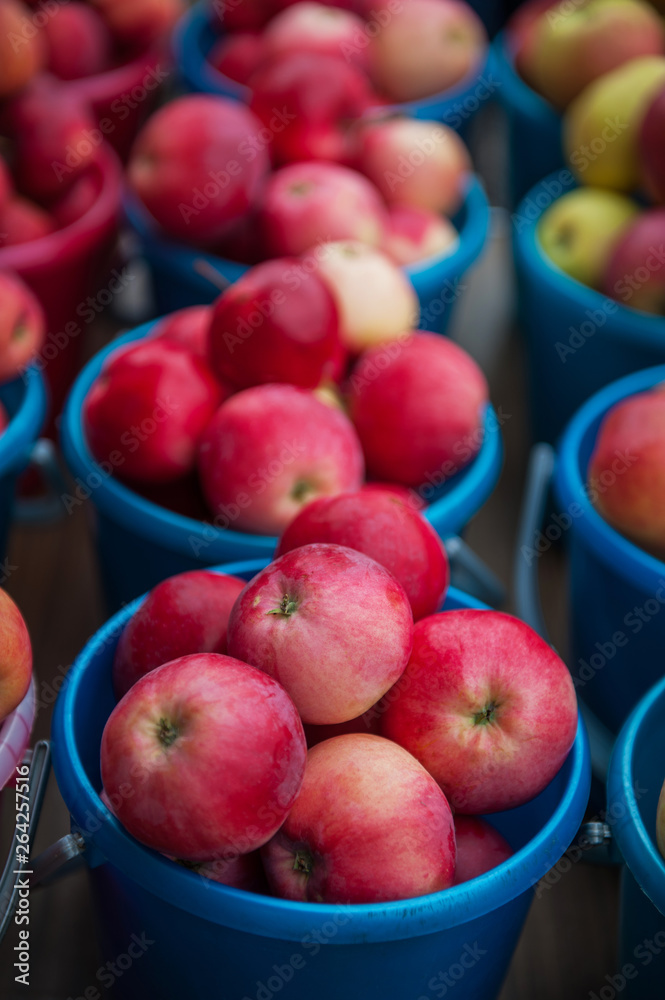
140	23
248	15
191	719
272	449
652	147
414	235
22	221
147	410
369	825
486	706
479	848
332	624
427	46
238	56
187	613
196	166
408	434
188	328
19	63
240	871
386	530
317	28
411	498
635	273
420	164
276	324
376	301
15	656
79	42
22	326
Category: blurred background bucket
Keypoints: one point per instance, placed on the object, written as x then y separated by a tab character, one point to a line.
25	402
207	939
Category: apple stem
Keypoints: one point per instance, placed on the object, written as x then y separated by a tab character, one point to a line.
302	862
167	732
286	607
486	715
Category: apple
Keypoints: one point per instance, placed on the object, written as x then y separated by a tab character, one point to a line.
187	613
386	530
415	235
660	821
365	812
408	434
486	706
196	166
239	15
425	47
140	23
79	42
147	409
308	104
16	656
579	231
188	328
421	164
22	326
521	33
569	51
190	719
240	871
651	147
276	325
6	185
376	301
270	450
602	125
635	272
77	201
22	53
240	240
406	495
627	469
331	624
22	221
479	848
317	28
238	56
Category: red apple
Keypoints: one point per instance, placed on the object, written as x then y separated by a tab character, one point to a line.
331	624
79	42
22	326
240	871
276	325
147	410
15	656
6	185
317	28
427	46
635	273
272	449
22	52
421	164
486	706
652	148
411	498
182	724
197	167
76	202
479	848
187	613
409	435
414	235
140	23
240	15
23	221
238	56
384	529
369	825
308	104
188	328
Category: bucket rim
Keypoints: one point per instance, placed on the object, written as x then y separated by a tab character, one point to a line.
99	87
264	915
515	93
25	425
640	567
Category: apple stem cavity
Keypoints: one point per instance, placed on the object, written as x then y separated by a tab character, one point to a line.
286	607
167	733
302	862
486	715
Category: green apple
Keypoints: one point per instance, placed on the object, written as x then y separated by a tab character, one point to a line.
579	231
601	127
660	822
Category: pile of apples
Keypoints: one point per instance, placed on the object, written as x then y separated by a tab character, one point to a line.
321	733
203	168
15	657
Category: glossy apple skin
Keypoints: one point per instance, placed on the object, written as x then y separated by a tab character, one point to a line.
22	325
627	469
187	328
660	822
188	169
331	624
22	221
194	717
386	530
139	23
240	871
277	323
479	848
15	656
406	495
635	272
187	613
365	810
79	42
238	56
317	28
652	148
420	164
147	410
271	449
408	435
309	103
306	204
18	63
414	235
486	706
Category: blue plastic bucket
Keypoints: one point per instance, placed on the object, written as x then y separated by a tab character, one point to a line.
612	582
140	543
636	773
25	401
534	127
208	940
176	283
577	340
194	37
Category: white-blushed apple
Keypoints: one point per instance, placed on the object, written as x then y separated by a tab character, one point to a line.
15	656
415	235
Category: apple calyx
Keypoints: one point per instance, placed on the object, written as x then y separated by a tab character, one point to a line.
300	490
303	862
486	715
286	607
167	733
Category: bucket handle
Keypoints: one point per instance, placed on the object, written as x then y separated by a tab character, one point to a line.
50	507
469	573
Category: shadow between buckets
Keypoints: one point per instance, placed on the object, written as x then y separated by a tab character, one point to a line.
243	942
